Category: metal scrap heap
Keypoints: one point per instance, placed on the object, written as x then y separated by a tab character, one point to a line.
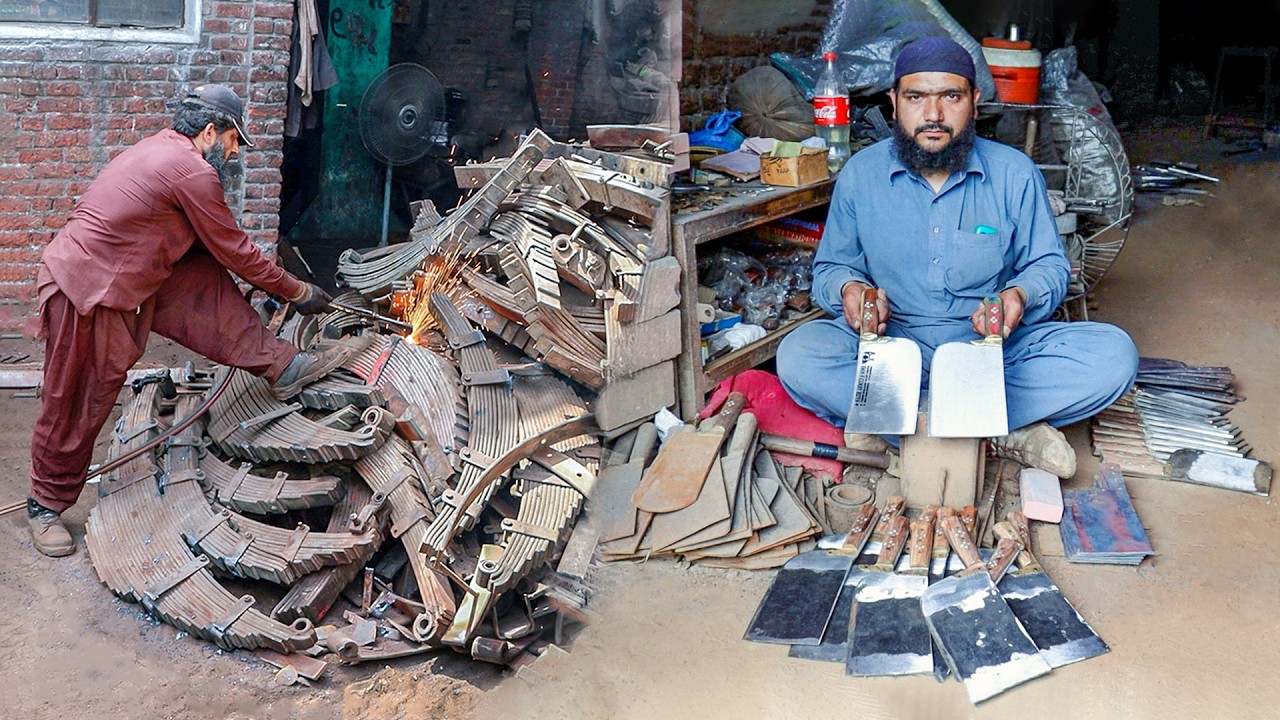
534	318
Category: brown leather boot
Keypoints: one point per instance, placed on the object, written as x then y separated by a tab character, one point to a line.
1039	446
48	533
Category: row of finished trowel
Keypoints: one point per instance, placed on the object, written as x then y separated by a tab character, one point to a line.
798	605
886	386
966	382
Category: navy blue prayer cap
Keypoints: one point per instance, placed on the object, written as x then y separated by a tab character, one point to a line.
933	54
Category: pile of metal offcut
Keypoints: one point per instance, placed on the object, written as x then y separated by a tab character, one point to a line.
1174	411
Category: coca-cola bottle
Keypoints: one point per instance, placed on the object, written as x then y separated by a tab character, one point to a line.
831	114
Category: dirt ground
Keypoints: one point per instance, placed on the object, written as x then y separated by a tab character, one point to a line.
1193	631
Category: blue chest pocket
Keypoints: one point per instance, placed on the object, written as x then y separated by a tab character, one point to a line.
974	262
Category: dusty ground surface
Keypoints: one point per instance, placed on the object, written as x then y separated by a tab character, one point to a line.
1193	631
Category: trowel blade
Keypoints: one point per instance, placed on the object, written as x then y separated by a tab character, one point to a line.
966	391
886	388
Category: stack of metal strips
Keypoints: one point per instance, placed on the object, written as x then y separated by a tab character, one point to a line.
395	475
1173	406
239	489
552	487
137	548
238	544
373	274
493	420
248	422
422	379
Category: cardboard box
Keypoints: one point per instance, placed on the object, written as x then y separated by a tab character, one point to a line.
809	167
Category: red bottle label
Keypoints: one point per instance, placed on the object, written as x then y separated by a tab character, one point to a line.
831	110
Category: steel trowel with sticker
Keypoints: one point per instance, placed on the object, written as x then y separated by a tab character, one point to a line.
886	386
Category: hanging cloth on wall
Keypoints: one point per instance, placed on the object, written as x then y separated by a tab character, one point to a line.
311	69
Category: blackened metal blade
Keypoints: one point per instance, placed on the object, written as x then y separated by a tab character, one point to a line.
981	639
1057	629
889	635
796	607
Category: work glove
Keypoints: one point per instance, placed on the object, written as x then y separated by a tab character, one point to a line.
315	301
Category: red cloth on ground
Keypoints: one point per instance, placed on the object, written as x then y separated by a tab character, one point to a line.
777	414
87	357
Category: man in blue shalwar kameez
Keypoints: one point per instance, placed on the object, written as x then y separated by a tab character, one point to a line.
936	219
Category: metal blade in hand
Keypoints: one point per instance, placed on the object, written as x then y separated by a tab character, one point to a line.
886	388
966	391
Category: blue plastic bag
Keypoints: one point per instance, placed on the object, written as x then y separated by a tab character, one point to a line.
718	132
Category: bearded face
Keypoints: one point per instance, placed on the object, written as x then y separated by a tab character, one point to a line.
951	157
217	158
934	122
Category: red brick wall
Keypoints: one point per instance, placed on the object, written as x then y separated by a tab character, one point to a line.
68	107
555	57
714	57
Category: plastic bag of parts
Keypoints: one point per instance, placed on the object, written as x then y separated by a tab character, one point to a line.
731	274
770	105
1085	138
867	35
792	271
763	306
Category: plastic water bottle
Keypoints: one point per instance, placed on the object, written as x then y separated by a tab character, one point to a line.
831	114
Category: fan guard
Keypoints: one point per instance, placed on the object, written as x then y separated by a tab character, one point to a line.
400	114
1084	158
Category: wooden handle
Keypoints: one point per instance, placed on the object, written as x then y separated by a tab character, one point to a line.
894	505
809	448
869	315
921	542
1026	560
858	533
1019	523
962	543
1006	550
728	414
940	547
993	316
969	516
894	542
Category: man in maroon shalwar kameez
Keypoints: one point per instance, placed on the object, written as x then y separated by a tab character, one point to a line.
148	248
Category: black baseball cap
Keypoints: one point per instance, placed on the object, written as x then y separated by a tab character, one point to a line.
224	100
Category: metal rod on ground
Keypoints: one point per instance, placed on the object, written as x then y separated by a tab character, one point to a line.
371	315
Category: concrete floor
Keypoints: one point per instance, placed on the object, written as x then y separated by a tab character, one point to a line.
1194	631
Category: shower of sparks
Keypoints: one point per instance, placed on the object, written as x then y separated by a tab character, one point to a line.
439	273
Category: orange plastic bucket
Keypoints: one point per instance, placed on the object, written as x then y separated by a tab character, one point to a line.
1015	67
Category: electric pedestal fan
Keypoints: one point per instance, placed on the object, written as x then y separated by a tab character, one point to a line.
401	117
1083	159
